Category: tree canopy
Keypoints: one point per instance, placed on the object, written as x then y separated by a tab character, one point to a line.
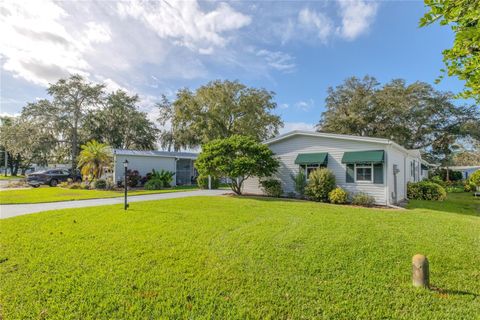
415	115
25	141
120	124
463	58
238	158
72	98
217	110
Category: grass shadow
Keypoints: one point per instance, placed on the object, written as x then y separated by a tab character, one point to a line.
447	292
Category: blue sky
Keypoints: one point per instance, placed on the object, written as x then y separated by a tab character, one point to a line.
296	49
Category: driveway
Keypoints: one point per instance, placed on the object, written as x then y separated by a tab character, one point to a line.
13	210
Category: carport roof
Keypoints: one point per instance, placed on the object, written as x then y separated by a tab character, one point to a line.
155	153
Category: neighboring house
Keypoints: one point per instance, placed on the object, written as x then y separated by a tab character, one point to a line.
181	163
379	167
465	170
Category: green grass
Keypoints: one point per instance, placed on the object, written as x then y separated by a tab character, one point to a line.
462	202
237	258
9	177
55	194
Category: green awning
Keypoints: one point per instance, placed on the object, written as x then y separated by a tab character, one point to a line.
424	167
372	156
312	158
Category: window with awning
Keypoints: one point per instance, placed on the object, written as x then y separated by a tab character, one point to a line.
320	158
370	156
364	166
311	161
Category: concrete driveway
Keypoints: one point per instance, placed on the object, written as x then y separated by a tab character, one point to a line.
13	210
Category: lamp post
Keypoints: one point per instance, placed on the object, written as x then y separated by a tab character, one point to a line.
125	164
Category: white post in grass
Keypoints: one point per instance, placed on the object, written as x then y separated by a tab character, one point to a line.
209	182
420	272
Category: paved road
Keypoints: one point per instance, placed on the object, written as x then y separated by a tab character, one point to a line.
13	210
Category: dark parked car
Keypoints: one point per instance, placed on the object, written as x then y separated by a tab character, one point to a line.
52	177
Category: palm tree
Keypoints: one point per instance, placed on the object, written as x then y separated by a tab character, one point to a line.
94	158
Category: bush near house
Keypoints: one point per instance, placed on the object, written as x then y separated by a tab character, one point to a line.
426	190
363	199
272	187
320	183
338	196
159	179
133	178
299	182
452	175
202	182
100	184
475	178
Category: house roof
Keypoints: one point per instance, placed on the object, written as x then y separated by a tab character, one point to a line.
339	136
155	153
464	167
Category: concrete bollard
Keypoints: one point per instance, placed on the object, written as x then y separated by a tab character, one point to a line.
420	272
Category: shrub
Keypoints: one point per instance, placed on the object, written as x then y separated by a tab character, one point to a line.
426	190
84	185
469	186
338	195
133	178
202	182
452	175
363	199
299	182
166	177
438	180
63	184
154	184
100	184
475	178
320	183
272	187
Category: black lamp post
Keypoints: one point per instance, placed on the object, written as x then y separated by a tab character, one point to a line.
125	164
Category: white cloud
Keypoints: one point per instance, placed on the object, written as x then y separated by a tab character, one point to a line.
304	105
290	126
278	60
357	15
36	45
185	22
317	22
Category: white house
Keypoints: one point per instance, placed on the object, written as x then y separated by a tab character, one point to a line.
181	163
466	171
379	167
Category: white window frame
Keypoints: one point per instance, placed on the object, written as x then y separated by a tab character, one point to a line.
363	166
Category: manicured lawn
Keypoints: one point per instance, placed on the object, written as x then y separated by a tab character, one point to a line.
462	202
8	177
49	194
237	258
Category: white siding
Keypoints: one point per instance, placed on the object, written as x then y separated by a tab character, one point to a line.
288	149
396	157
143	164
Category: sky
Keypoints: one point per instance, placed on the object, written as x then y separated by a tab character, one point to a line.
296	49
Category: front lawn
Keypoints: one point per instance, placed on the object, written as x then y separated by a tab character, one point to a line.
237	258
55	194
9	177
462	202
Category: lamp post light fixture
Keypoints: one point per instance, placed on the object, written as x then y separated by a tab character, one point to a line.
125	164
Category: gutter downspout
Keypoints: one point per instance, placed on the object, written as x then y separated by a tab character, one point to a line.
114	168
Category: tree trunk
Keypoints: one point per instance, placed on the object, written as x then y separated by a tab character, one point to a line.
447	177
74	145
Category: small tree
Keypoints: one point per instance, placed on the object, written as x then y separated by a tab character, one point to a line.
320	183
300	182
94	157
475	178
237	157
